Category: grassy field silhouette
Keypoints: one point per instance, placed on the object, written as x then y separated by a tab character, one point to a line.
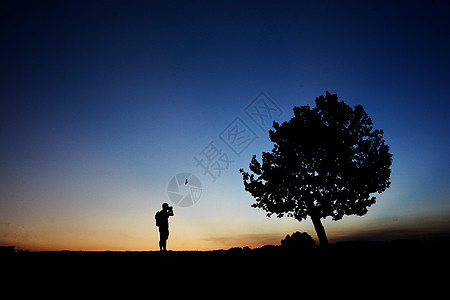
401	268
405	253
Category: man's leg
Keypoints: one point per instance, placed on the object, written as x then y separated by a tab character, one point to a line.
162	242
163	236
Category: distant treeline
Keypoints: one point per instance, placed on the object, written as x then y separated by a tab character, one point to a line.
291	247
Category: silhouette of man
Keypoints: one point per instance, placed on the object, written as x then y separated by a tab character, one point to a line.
162	221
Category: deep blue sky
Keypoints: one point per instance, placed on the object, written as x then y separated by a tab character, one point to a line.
102	103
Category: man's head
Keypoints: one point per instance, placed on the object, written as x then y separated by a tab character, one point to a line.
165	206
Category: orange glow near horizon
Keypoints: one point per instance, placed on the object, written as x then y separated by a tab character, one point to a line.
194	239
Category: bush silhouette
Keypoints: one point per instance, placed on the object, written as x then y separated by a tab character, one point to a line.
298	240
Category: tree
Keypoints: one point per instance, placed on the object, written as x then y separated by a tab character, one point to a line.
326	161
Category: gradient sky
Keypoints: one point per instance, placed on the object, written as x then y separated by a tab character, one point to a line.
104	102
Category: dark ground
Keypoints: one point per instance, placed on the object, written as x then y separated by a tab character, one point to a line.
352	268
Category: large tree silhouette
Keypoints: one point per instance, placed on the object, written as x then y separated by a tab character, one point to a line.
326	161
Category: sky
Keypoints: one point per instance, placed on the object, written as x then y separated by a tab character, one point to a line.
105	103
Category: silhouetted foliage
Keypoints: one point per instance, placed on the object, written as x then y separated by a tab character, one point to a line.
298	240
326	161
7	250
239	250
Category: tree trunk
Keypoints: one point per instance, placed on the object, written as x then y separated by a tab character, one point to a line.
320	230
